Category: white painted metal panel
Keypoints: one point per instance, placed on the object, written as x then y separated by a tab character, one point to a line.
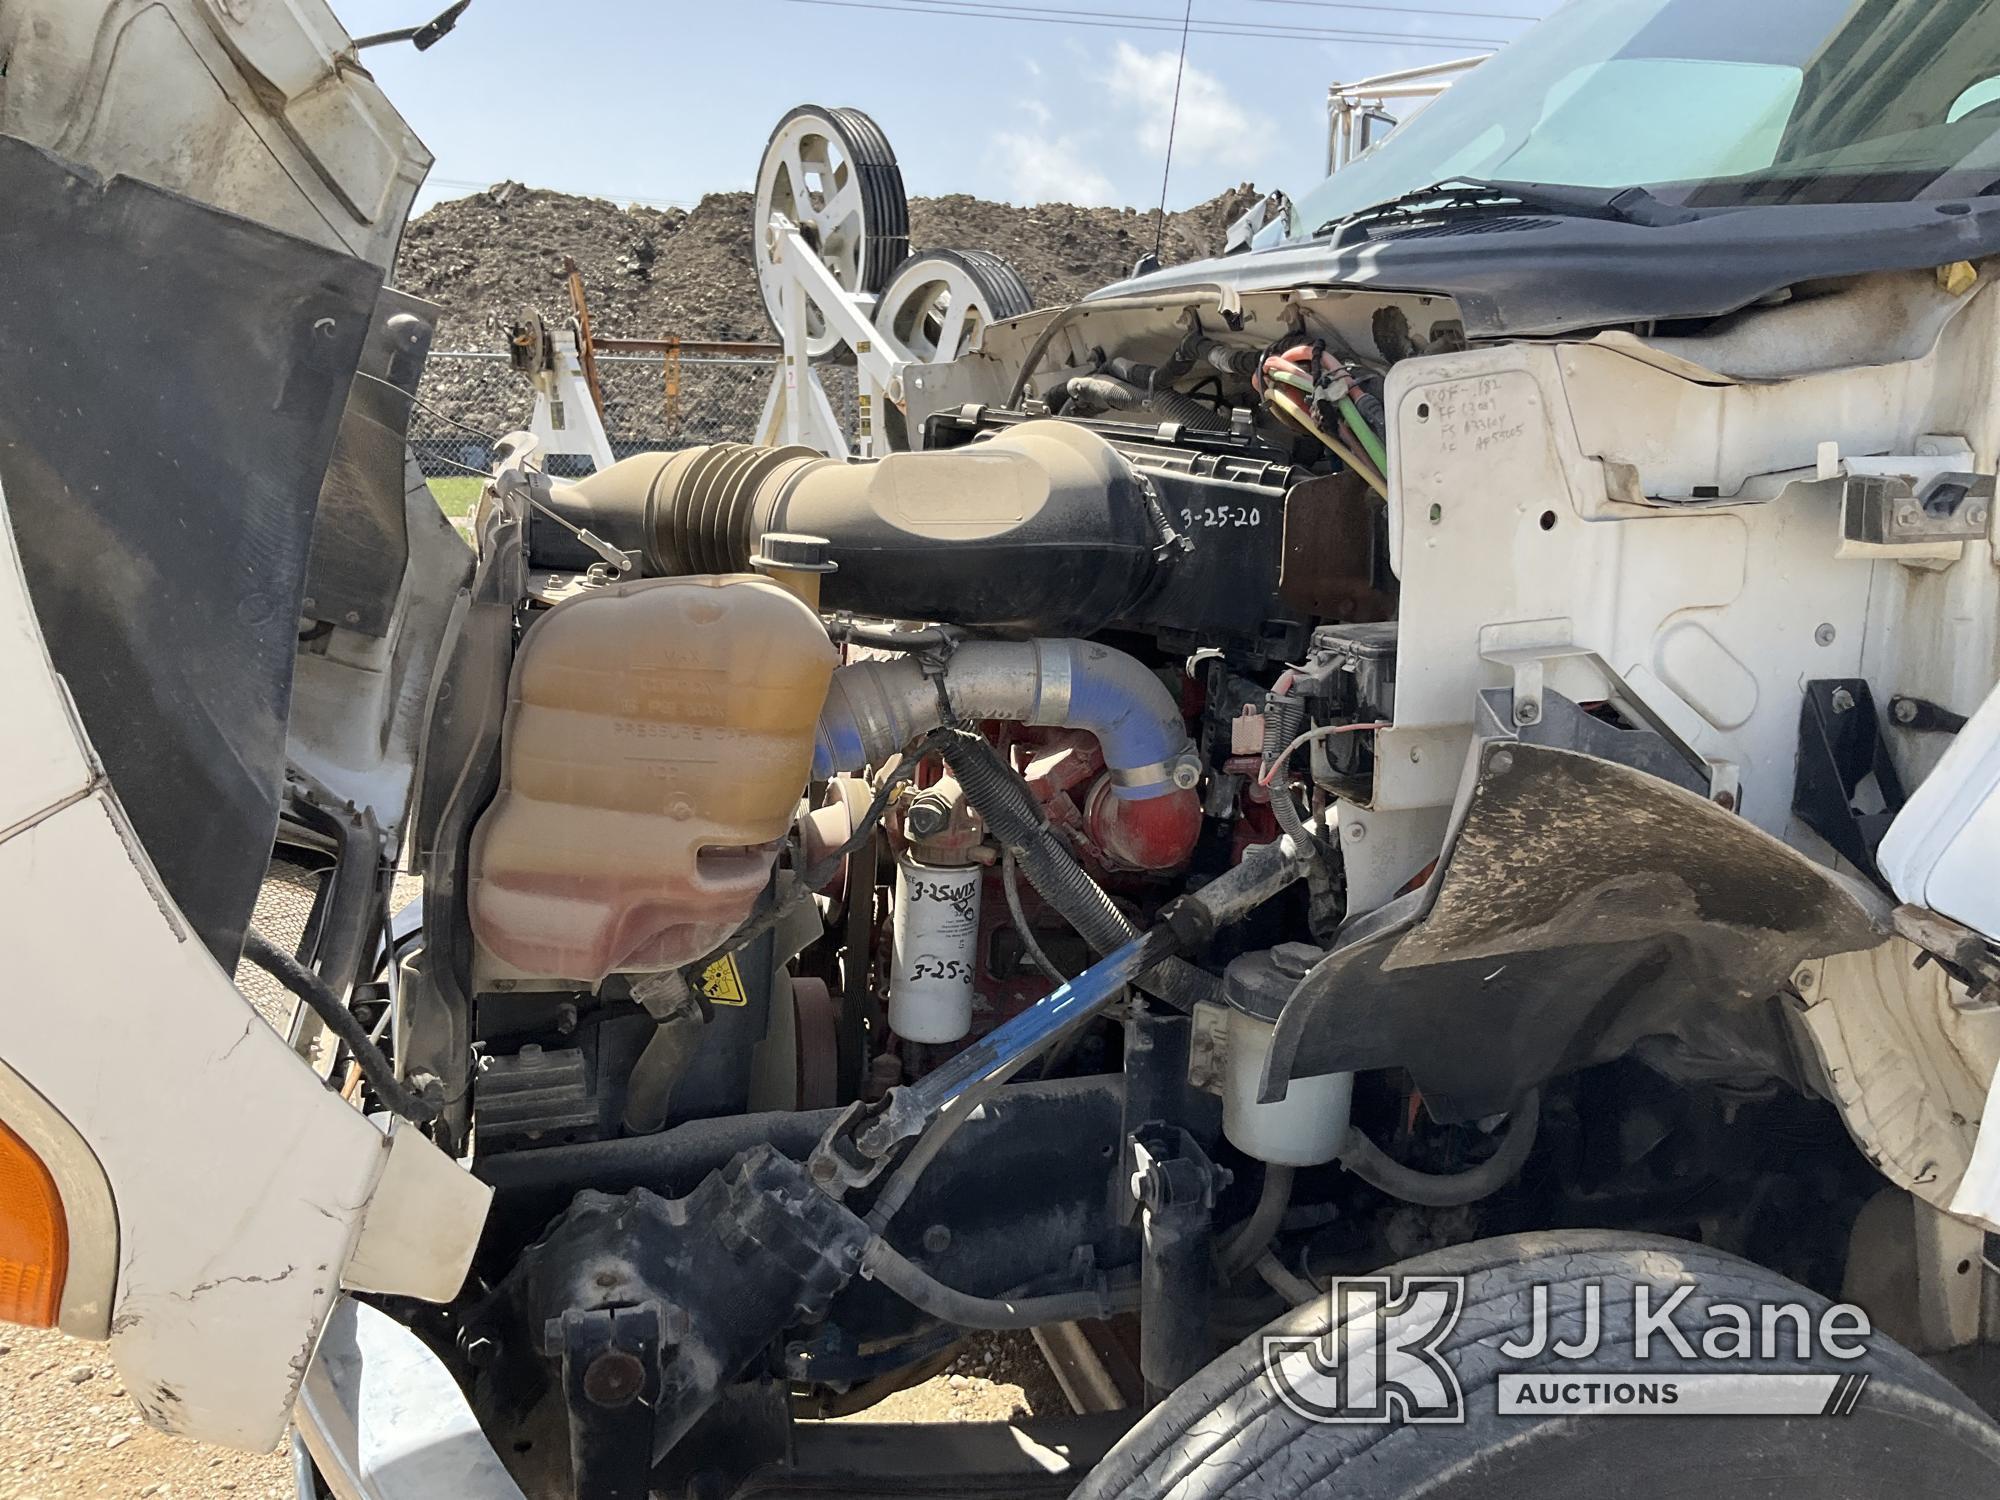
241	1186
255	106
1943	851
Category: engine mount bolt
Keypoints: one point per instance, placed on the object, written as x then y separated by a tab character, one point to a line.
1841	701
481	1350
1907	515
1904	710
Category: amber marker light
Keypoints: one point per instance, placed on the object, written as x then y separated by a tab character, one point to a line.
34	1239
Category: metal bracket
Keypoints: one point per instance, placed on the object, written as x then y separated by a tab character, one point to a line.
1176	1186
1529	665
1962	953
611	1382
1922	716
566	419
1888	510
797	409
1840	747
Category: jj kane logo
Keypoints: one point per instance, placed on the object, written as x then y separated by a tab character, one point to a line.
1388	1355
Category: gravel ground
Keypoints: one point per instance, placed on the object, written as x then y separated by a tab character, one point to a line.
995	1378
68	1431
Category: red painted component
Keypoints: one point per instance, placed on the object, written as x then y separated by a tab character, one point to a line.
1065	770
1156	834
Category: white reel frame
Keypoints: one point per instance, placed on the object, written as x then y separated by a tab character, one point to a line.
797	409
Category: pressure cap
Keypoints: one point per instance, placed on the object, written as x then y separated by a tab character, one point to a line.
1259	984
794	551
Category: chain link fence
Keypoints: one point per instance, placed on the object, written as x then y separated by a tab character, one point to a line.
650	402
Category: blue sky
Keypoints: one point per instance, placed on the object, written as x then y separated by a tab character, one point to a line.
667	100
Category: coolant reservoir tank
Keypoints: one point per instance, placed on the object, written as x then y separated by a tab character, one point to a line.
657	739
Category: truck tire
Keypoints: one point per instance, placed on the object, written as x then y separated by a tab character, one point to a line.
1912	1434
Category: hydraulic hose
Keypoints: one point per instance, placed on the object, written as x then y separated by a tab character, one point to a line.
903	1181
882	1262
1378	1169
1286	1283
1023	928
342	1022
1253	1236
669	1053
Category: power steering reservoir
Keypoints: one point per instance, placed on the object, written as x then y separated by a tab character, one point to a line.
657	739
1307	1126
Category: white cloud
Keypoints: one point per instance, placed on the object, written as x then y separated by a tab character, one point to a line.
1213	127
1041	168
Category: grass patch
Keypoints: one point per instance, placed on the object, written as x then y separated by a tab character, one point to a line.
457	496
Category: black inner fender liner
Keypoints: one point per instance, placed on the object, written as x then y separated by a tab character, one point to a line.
172	378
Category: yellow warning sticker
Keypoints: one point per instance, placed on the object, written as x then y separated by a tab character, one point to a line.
721	983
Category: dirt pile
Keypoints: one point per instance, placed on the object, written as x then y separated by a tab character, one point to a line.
496	255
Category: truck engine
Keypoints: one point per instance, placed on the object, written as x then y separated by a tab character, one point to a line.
1432	764
852	770
912	890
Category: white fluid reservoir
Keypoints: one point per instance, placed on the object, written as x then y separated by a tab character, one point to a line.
936	944
1306	1127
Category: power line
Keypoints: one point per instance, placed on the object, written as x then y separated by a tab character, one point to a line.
1117	20
1173	120
1103	21
1019	10
1403	10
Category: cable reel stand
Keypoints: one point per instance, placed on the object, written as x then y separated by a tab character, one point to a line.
831	228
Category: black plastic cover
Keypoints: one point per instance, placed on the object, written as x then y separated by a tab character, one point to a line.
1581	906
171	381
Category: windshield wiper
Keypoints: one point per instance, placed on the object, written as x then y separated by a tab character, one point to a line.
1460	196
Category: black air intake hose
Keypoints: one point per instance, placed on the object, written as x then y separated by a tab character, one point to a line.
1015	819
1044	529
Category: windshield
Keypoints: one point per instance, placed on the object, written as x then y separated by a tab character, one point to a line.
1711	104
